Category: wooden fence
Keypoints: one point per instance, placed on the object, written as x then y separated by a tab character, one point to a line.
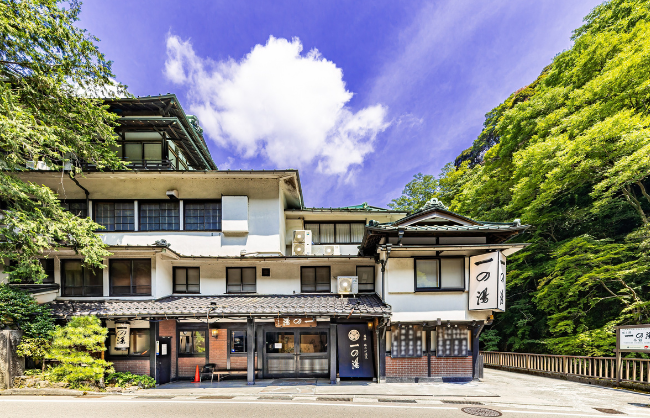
630	370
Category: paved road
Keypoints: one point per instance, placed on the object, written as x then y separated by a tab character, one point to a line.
69	407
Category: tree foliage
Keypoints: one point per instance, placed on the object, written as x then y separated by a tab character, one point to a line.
18	310
569	154
48	67
75	347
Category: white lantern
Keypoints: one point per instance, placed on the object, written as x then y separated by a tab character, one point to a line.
122	335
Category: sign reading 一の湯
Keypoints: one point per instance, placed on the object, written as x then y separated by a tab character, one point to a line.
295	322
634	338
122	335
487	282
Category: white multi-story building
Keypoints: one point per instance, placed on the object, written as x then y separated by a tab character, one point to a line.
229	268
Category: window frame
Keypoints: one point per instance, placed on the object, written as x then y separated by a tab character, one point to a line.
192	328
186	292
83	286
242	280
231	340
129	356
373	277
95	203
319	223
439	288
112	293
44	264
75	201
203	201
329	276
140	212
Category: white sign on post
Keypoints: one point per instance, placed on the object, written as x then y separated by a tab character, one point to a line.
634	338
487	282
122	335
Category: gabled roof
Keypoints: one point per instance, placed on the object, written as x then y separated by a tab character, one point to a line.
435	208
229	305
364	207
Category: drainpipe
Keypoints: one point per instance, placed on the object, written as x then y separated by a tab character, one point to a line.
383	272
85	191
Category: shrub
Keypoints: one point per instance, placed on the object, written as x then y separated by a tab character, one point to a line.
73	347
126	379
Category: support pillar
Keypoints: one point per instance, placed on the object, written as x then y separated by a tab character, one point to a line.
250	339
333	353
476	331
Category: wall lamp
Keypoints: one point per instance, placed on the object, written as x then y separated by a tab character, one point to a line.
215	332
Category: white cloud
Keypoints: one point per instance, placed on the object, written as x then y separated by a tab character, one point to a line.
276	102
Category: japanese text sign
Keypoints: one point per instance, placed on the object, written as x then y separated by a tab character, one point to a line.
487	282
634	338
355	350
295	322
122	335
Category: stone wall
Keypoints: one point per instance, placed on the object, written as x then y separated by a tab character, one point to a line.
10	364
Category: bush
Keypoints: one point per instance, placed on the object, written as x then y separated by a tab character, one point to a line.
126	379
73	347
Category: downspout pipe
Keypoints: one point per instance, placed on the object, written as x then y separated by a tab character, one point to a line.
383	272
84	189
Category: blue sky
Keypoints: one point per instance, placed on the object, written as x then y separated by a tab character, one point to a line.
395	87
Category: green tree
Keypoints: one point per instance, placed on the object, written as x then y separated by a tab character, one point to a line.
18	310
47	66
416	193
75	347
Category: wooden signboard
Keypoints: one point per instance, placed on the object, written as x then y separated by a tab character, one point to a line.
295	322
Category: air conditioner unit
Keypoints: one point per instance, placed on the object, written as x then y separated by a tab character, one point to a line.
331	250
302	235
301	248
347	285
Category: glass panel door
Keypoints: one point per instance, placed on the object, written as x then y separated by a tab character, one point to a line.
313	360
280	350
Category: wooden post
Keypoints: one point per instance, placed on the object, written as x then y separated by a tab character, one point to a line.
250	339
333	350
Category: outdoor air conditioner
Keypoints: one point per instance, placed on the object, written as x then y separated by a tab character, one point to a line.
347	285
302	236
301	248
332	250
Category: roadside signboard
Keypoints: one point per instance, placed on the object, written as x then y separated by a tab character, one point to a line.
631	339
487	282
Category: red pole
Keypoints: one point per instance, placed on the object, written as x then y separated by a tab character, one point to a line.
197	375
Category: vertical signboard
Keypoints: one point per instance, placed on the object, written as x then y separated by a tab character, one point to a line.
487	282
122	335
355	350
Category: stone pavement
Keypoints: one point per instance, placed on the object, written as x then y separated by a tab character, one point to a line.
499	389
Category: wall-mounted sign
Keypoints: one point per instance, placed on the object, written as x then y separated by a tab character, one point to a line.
295	322
122	335
355	350
406	341
487	282
633	338
452	341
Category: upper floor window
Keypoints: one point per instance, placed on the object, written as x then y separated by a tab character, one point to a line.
187	280
446	274
366	275
115	216
78	207
202	216
77	280
240	279
48	267
315	280
336	233
159	216
427	274
130	277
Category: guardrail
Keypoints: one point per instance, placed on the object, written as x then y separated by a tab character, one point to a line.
633	370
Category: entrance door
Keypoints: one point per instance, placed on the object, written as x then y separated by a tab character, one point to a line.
164	360
297	353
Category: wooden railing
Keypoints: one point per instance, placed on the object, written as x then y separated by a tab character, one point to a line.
632	370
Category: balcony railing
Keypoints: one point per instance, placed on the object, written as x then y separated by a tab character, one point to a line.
632	370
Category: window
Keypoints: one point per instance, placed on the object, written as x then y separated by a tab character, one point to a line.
191	343
427	273
202	216
115	216
366	276
159	216
78	280
130	277
406	340
313	342
78	208
266	272
237	341
240	279
139	343
48	267
336	233
315	280
452	341
186	280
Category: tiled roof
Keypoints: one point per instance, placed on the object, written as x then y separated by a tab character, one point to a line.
229	305
439	228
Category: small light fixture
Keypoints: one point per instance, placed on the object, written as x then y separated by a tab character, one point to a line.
215	332
370	325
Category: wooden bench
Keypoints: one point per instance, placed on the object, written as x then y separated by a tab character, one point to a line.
226	373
